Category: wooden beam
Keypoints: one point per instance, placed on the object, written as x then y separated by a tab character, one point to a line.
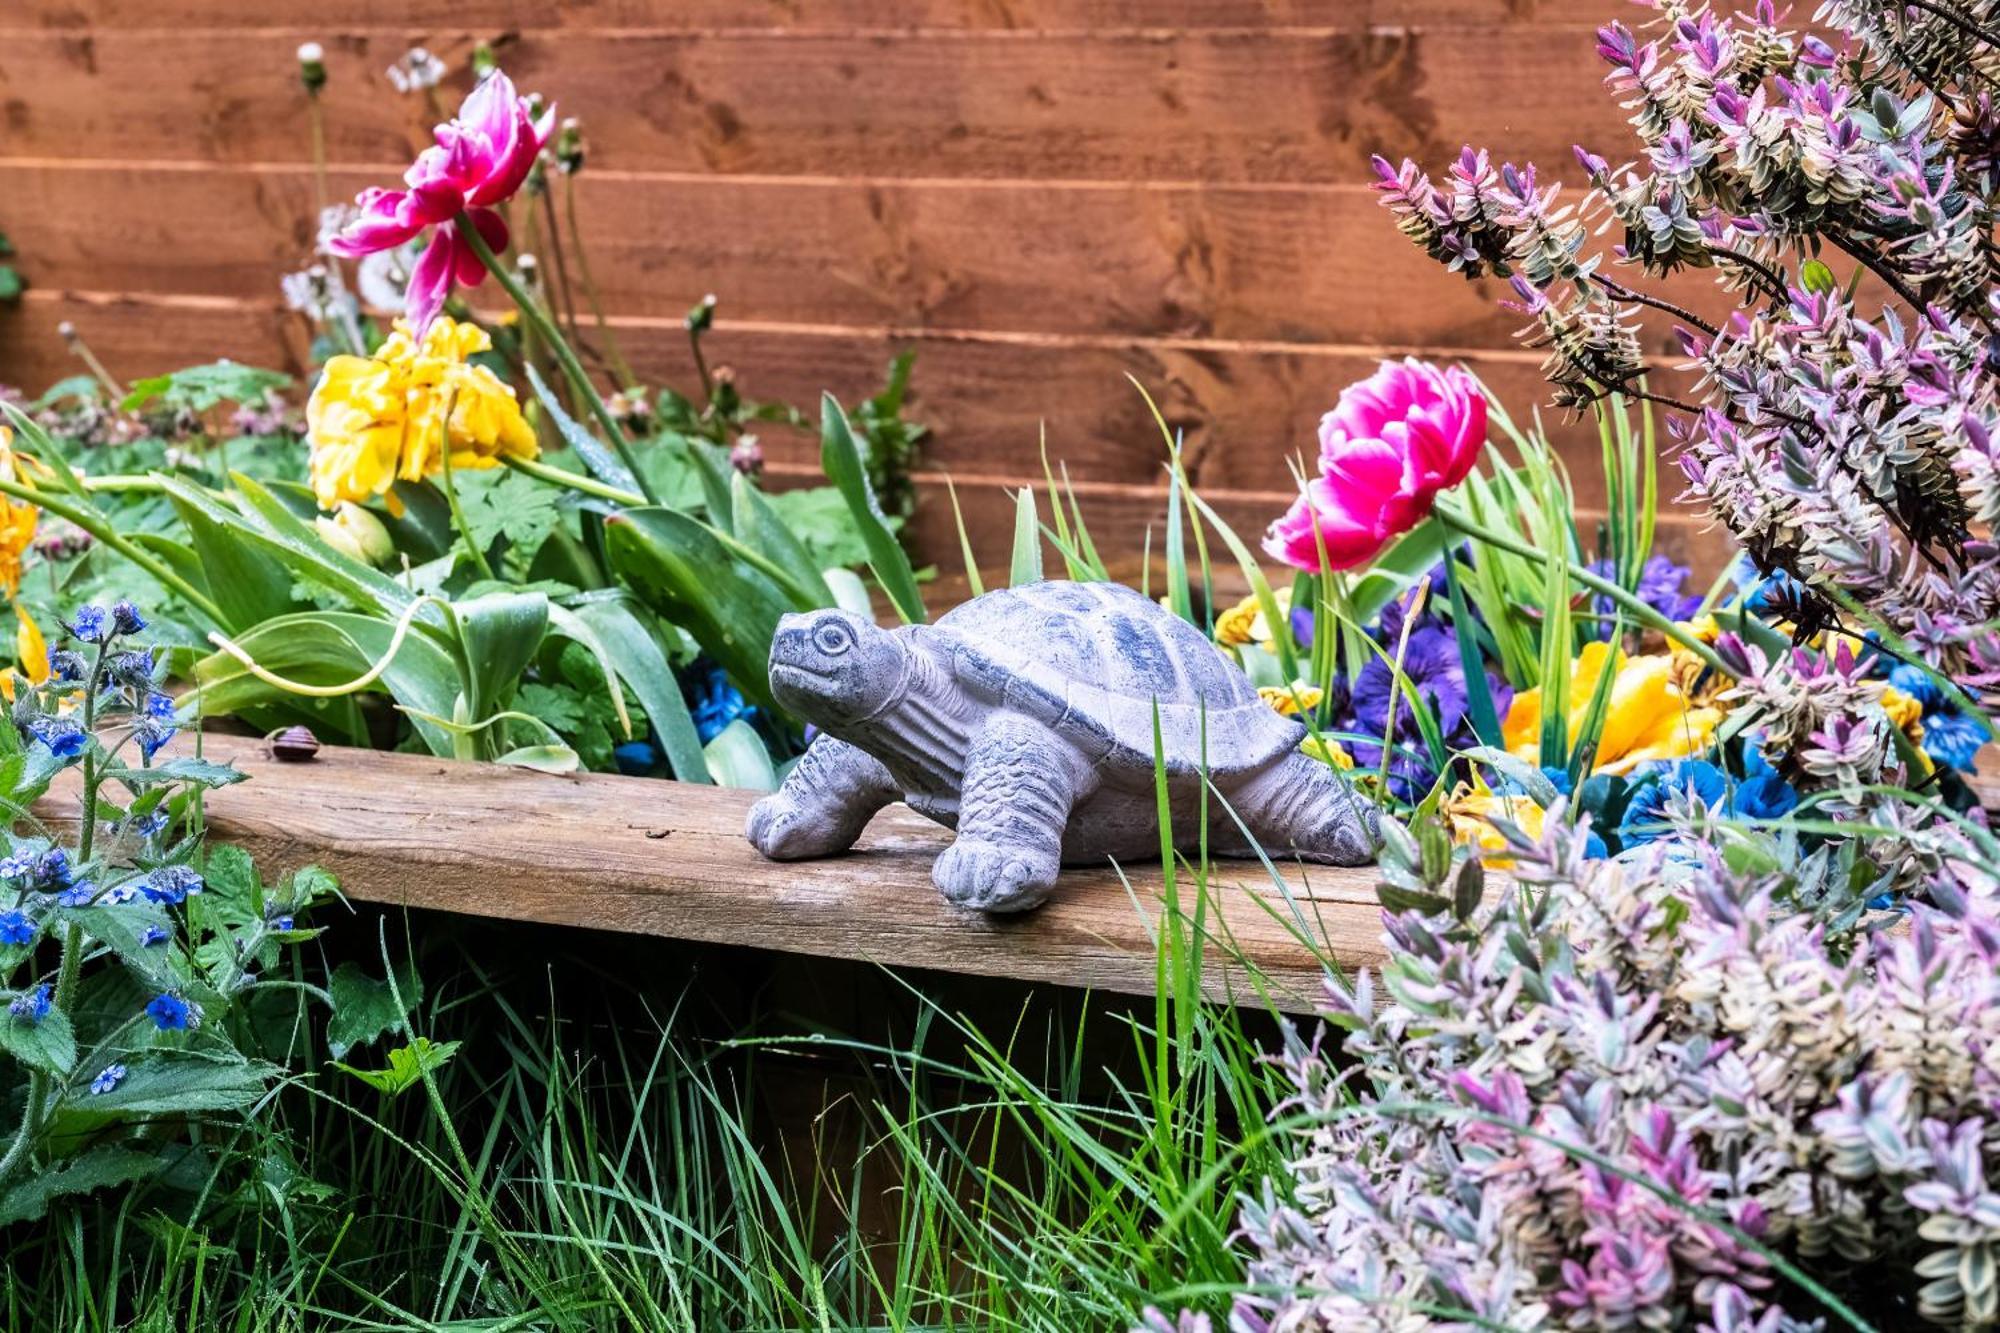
669	859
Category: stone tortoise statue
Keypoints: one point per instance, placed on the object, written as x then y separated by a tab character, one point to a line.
1024	719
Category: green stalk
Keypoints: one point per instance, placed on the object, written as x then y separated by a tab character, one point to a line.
451	500
97	527
618	364
576	481
539	322
1641	612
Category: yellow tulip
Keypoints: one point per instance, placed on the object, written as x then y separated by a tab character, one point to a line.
1331	753
1244	623
1648	716
1470	811
17	520
1291	700
374	421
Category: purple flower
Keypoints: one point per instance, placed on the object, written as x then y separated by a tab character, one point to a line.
91	625
125	618
1662	585
64	738
107	1078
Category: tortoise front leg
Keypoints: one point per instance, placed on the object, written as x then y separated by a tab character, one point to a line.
1020	784
829	797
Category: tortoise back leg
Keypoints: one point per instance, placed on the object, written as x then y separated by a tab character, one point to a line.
1300	807
1021	781
829	797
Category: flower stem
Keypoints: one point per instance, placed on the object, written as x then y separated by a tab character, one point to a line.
619	367
1641	611
451	498
576	481
539	322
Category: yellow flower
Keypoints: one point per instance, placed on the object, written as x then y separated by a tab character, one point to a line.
1647	716
1905	712
1471	811
1291	700
374	421
1331	753
1703	628
17	520
1244	622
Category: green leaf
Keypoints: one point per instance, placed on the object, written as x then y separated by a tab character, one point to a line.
501	504
182	1082
1026	565
886	557
49	1045
407	1065
818	516
501	633
103	1167
551	757
603	464
203	388
1817	278
760	526
364	1007
11	285
185	768
681	569
738	758
332	648
642	664
236	571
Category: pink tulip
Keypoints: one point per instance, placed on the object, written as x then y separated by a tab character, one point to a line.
1389	446
481	158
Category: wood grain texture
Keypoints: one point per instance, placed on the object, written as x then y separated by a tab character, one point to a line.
1242	412
659	858
1238	106
998	16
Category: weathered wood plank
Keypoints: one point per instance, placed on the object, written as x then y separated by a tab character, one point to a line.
1232	106
1276	264
995	16
668	859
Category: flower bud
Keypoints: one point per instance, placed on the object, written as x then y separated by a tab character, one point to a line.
569	146
312	67
355	531
747	456
702	316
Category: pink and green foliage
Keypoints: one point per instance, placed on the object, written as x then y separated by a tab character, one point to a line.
1844	425
1671	1091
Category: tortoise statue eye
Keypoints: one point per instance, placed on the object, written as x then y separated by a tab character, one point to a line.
832	639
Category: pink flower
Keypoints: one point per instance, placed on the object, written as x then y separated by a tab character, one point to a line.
1389	446
481	158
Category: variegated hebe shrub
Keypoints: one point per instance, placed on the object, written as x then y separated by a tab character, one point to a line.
1690	1088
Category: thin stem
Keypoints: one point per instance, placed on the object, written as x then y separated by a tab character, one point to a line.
626	380
90	522
89	358
451	499
576	481
555	248
1641	611
1772	282
1622	292
539	321
1964	25
316	119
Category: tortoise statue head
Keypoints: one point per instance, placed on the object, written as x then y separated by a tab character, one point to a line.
834	668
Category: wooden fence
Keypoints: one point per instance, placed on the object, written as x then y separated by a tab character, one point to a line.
1039	196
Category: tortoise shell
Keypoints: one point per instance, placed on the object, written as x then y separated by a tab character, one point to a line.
1091	660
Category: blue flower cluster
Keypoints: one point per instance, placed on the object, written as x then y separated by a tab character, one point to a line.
1656	788
1952	736
123	679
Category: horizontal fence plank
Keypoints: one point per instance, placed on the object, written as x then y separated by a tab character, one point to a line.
1248	106
669	859
988	16
1241	415
1277	265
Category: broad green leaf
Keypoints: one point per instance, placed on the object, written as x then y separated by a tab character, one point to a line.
364	1007
738	758
310	558
327	648
185	768
842	462
850	594
551	757
711	464
48	1045
181	1082
102	1167
407	1065
203	388
501	631
682	570
642	664
1413	556
762	528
